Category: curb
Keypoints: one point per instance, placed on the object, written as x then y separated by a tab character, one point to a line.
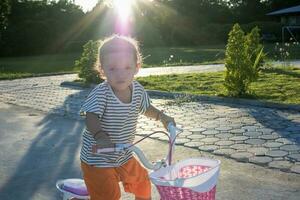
229	100
205	98
41	75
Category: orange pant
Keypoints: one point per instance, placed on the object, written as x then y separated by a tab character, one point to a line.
103	182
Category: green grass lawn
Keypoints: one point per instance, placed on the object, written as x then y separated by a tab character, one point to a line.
162	56
178	56
18	67
39	64
280	85
21	67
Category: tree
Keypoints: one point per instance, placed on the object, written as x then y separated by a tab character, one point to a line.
87	63
4	11
253	50
242	60
246	11
36	27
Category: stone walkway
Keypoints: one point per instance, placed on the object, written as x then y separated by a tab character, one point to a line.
264	136
199	68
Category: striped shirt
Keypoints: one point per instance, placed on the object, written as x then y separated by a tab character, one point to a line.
118	119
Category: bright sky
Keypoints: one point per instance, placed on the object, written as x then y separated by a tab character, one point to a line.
86	4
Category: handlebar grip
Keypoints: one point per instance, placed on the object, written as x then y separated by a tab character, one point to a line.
172	129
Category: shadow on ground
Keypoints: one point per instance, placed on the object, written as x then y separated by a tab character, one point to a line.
36	155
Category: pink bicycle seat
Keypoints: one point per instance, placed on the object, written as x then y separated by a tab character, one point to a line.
75	186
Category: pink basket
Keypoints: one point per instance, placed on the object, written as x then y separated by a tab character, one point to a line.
187	180
176	193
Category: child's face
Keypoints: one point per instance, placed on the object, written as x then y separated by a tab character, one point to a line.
119	69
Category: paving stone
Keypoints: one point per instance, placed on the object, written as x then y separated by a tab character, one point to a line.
237	131
185	133
293	128
290	147
164	138
210	117
272	144
145	132
260	160
240	146
249	128
224	143
208	148
194	144
283	133
211	126
295	157
280	164
195	136
258	151
224	135
255	141
279	158
295	169
241	138
265	130
241	156
226	152
236	126
209	122
252	134
182	141
223	128
197	130
210	132
294	135
284	141
227	124
249	122
276	153
209	140
269	136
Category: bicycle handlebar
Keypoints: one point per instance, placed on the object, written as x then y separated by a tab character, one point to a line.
172	129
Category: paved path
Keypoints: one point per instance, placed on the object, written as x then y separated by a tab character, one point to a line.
196	68
263	136
38	148
180	70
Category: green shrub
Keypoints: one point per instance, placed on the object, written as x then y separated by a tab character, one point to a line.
243	59
87	61
255	53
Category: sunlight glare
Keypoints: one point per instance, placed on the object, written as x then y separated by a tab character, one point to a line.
124	8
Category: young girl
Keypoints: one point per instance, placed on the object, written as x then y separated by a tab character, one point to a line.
112	110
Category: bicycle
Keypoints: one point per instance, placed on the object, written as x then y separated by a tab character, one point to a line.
189	179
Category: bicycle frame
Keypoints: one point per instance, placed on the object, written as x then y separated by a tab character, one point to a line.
172	129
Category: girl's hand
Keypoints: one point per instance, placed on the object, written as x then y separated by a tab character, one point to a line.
165	119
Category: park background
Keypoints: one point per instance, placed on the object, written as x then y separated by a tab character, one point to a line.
41	37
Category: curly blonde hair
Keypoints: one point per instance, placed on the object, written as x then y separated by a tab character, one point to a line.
116	43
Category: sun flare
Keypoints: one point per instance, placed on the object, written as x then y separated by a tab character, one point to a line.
124	8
